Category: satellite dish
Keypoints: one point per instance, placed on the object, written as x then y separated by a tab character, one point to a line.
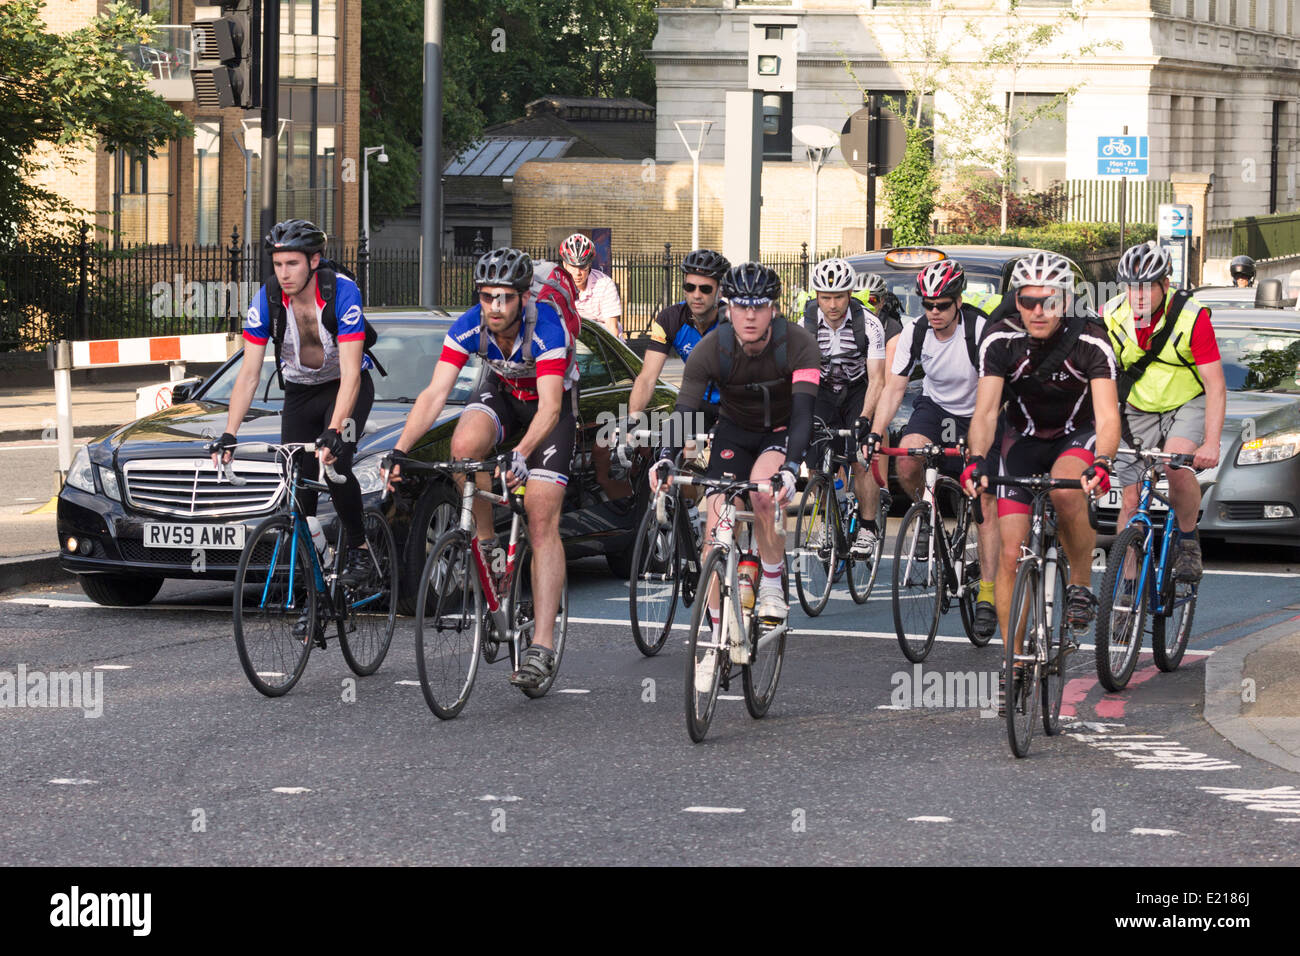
818	137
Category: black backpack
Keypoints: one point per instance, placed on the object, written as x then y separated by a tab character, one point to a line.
969	317
857	321
726	333
1052	362
327	285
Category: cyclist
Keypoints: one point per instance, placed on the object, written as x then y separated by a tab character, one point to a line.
1055	362
852	344
526	352
598	299
943	344
767	370
1165	345
1242	271
326	380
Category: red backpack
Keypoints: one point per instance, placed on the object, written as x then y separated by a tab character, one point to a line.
552	283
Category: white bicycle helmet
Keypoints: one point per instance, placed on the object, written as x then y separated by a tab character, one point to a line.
833	275
873	284
1145	262
1043	269
578	251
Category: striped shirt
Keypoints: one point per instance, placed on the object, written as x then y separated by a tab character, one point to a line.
599	302
842	364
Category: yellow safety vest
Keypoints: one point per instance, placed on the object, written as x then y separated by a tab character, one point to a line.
808	295
986	302
1171	381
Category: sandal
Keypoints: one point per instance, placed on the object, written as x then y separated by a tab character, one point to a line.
535	668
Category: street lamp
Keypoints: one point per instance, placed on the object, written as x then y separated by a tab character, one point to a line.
819	142
701	128
365	187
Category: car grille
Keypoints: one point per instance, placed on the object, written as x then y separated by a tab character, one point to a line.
213	557
190	487
1244	511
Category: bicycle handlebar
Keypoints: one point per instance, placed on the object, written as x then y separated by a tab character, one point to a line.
226	470
1173	459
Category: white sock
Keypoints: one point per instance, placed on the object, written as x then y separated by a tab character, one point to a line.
772	575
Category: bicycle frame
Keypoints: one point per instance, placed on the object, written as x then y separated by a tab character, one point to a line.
1156	595
955	570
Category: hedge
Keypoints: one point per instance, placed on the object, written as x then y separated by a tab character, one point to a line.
1078	240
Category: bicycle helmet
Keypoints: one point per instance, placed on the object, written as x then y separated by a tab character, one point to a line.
578	251
945	278
751	283
705	262
504	266
874	284
1145	262
1043	269
1242	267
295	235
834	275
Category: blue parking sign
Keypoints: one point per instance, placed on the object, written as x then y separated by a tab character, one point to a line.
1122	156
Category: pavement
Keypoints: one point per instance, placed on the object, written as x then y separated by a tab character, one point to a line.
1252	694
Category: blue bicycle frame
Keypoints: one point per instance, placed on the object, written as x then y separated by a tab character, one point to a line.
1156	596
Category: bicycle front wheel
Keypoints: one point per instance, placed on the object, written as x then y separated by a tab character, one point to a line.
764	668
656	580
523	617
366	630
705	650
918	584
1122	613
275	593
1022	693
815	547
863	571
1169	635
448	625
1056	631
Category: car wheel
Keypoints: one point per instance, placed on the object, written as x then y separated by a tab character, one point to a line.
437	511
112	590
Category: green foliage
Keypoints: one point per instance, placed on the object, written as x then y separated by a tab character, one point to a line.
909	190
973	201
1077	240
63	91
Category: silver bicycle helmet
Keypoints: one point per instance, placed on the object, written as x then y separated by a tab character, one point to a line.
504	267
833	275
1043	269
1145	262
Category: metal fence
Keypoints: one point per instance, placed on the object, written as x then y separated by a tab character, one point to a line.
1218	239
1097	200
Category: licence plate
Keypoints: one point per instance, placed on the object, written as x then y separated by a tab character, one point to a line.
1114	499
158	534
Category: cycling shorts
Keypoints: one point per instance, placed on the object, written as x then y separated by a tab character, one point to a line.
735	449
838	410
551	459
1023	457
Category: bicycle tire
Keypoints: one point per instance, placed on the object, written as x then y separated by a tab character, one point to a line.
1168	652
366	631
1119	632
1056	627
813	576
521	616
862	574
918	586
760	682
653	603
1022	698
448	606
702	697
272	657
965	531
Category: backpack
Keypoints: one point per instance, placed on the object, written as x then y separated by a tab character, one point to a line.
529	326
1128	377
726	333
327	286
857	319
553	284
969	315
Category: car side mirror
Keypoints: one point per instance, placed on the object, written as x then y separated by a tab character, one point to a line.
183	390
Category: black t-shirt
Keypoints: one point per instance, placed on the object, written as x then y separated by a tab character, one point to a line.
744	406
674	329
1064	403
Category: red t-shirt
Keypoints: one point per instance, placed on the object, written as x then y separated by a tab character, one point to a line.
1204	347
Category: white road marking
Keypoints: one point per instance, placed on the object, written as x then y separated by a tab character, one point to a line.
112	667
1152	831
730	697
293	790
407	683
713	810
573	690
1265	800
269	674
929	819
72	781
1153	752
488	796
892	707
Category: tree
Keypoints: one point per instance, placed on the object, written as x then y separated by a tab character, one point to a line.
59	92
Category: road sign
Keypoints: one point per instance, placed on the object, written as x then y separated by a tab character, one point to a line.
855	141
1175	220
1122	156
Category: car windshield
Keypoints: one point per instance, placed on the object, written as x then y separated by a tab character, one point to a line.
407	353
1260	360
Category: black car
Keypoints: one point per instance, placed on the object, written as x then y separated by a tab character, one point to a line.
136	498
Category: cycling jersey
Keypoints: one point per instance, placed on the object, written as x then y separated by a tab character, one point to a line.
351	328
551	345
842	363
674	328
1061	405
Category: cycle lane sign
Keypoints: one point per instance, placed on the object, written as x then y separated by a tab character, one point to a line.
1122	156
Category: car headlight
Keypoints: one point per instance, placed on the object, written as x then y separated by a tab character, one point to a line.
1278	446
108	479
368	475
80	474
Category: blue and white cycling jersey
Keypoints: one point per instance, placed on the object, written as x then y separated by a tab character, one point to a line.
674	327
551	347
351	327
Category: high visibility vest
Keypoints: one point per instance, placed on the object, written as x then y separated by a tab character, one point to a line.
803	298
986	302
1171	381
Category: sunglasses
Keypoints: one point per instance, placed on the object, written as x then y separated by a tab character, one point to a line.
497	298
748	303
932	305
703	287
1050	303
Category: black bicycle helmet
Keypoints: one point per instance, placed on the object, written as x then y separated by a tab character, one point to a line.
750	280
1145	262
1242	267
705	262
504	266
296	235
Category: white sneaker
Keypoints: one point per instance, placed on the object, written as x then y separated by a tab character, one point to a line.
771	603
704	672
864	545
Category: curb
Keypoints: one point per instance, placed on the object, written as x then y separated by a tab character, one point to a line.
1223	672
31	569
79	433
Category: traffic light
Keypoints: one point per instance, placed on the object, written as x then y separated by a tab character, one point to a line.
223	56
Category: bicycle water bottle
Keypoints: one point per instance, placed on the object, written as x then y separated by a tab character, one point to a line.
747	583
318	539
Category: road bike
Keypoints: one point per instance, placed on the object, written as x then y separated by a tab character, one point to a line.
281	587
1139	580
827	526
472	606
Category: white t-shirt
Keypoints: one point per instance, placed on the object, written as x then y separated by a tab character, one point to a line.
950	379
599	302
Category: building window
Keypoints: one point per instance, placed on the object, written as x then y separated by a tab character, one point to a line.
207	182
309	40
141	200
1279	108
1039	148
777	124
307	187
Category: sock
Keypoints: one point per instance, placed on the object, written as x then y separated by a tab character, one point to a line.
986	591
772	574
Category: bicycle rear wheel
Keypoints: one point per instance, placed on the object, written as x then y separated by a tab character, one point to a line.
276	569
448	625
764	668
523	619
1056	630
1169	635
1022	694
863	571
919	581
1122	613
815	544
366	630
964	531
656	580
705	654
